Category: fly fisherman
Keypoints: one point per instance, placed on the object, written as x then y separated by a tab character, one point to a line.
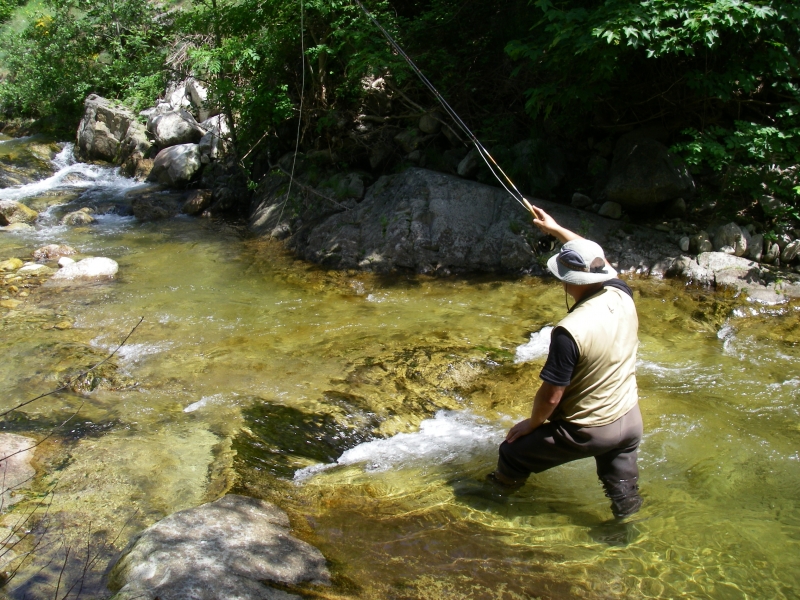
587	404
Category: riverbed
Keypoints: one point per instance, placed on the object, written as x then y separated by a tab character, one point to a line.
370	407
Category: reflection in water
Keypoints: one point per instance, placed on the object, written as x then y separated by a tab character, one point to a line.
369	408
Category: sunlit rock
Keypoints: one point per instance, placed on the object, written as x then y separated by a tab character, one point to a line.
78	218
88	268
176	165
102	128
174	128
12	211
230	548
731	239
12	264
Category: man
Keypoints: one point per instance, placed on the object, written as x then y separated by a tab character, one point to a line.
587	404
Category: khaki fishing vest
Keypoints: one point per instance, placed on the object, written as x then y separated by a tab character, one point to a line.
603	386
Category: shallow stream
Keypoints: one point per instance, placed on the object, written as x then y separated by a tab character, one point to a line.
369	409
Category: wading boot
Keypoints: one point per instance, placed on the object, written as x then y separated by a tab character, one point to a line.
504	483
624	496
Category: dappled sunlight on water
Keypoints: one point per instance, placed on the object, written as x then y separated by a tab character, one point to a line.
370	408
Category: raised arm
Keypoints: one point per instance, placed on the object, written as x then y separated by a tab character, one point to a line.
548	225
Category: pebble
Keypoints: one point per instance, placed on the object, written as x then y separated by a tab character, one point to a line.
63	325
11	304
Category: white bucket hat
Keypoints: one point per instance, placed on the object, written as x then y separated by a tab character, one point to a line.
581	262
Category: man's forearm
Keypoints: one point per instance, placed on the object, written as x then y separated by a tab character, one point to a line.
545	403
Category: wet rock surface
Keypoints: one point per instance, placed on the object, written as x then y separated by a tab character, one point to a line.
231	548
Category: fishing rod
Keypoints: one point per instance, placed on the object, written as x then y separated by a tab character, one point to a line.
495	168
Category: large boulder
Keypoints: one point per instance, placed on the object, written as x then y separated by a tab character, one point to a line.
102	128
731	239
174	127
232	548
134	150
198	95
12	211
176	166
644	173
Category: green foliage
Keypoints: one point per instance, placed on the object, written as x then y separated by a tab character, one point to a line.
7	8
76	47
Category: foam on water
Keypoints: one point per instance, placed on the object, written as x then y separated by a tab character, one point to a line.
93	176
539	345
450	437
204	401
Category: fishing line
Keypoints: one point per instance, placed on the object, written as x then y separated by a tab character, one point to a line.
300	114
495	168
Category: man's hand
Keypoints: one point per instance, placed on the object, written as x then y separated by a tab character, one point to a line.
548	225
517	431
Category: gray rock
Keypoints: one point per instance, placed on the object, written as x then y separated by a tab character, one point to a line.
700	242
771	252
217	124
468	167
102	129
16	454
78	218
133	149
644	173
687	268
784	239
731	271
177	165
231	548
684	243
755	247
210	145
610	210
597	165
429	123
197	202
174	128
732	239
790	252
198	95
581	201
12	212
178	97
350	186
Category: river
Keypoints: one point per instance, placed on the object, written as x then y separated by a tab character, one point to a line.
369	407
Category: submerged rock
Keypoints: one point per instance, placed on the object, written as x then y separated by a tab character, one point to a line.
12	212
52	252
231	548
16	454
88	268
12	264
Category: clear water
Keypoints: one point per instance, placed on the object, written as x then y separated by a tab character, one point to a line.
370	407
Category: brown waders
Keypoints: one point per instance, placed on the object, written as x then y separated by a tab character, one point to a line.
613	446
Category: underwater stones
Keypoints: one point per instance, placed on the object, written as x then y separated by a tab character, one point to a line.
17	227
30	269
12	212
176	166
78	218
230	548
16	454
52	252
12	264
89	268
102	128
644	173
155	206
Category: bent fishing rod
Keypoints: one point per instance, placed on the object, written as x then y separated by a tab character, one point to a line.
494	167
